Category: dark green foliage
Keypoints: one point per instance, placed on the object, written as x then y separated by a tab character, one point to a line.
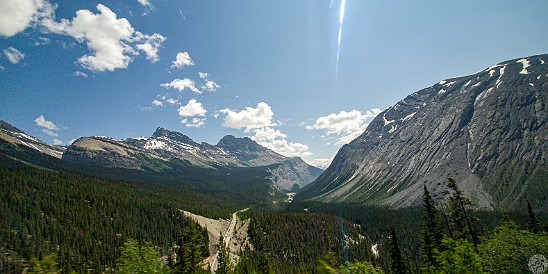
461	223
398	265
48	264
191	250
140	259
83	220
431	232
294	241
458	256
223	258
509	249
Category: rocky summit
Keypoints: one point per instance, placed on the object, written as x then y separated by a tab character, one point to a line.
165	149
486	130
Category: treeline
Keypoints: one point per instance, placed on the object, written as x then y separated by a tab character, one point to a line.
449	237
84	221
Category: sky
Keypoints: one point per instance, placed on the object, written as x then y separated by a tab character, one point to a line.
301	77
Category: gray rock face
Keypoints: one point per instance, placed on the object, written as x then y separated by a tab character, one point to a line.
487	130
164	146
13	134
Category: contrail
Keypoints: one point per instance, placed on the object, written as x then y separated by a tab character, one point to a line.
341	19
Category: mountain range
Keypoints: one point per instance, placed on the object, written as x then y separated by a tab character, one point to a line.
486	130
172	156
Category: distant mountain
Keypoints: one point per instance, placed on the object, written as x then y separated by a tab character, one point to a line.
15	135
486	130
165	148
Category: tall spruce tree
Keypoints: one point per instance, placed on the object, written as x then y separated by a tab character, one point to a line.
459	215
223	259
398	265
189	254
430	233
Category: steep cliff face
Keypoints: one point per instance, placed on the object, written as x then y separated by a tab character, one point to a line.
169	149
487	130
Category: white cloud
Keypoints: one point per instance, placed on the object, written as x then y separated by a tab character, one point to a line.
193	108
157	103
48	127
189	112
322	163
182	84
182	59
172	101
267	134
194	122
276	140
57	142
80	74
288	149
209	85
108	37
348	124
13	55
42	41
249	118
17	15
151	45
147	5
42	122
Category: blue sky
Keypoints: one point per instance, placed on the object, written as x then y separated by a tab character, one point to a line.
263	69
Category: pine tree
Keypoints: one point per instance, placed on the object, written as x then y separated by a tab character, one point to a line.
430	233
532	222
223	258
458	207
189	254
398	265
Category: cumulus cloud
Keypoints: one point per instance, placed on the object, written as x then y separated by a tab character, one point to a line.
182	84
110	38
157	103
193	108
249	118
209	85
348	125
191	113
48	127
172	101
17	15
181	60
259	122
150	46
322	163
13	55
57	142
276	140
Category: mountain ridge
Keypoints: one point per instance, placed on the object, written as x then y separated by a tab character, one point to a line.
485	130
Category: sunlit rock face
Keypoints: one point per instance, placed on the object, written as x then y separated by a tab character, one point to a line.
486	130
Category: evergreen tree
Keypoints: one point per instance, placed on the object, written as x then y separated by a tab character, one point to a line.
430	234
532	222
140	259
190	251
459	217
223	257
398	266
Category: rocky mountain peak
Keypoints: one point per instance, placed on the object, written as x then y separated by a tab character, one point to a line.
173	135
232	143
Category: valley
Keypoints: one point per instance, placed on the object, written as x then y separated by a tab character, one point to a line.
451	171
